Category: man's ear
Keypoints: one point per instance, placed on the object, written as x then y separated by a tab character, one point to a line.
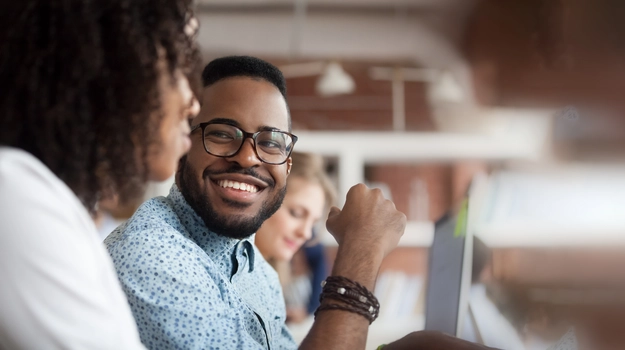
289	165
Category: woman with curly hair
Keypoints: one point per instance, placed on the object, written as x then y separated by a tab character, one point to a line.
95	102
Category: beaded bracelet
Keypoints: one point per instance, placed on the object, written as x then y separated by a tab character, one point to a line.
353	296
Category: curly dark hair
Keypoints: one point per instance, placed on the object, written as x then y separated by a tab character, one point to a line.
80	86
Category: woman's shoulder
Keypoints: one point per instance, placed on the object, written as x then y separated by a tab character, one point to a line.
23	173
28	187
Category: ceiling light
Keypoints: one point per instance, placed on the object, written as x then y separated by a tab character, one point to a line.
446	89
335	81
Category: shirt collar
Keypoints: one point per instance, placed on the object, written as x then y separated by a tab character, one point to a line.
216	246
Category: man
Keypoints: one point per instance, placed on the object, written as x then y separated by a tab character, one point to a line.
187	262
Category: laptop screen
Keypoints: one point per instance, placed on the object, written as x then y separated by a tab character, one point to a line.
448	283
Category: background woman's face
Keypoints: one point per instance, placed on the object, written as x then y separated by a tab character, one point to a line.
178	105
291	226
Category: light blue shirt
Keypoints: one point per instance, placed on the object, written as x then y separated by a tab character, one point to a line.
190	288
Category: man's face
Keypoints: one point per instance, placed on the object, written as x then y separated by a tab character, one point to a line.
209	183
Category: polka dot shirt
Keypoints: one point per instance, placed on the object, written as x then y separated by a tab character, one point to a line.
190	288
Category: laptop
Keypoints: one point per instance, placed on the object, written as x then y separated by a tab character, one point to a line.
449	274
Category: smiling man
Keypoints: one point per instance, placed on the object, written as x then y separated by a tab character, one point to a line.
187	261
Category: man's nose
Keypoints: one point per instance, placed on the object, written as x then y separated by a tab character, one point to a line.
246	157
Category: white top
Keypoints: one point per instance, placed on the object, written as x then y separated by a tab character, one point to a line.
107	224
58	287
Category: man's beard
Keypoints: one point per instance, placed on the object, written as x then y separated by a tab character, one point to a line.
232	227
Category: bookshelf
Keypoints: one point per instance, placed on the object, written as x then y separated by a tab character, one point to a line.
402	278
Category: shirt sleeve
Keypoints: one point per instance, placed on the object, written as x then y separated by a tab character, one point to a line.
58	288
176	302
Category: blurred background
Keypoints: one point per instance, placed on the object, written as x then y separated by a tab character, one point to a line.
516	104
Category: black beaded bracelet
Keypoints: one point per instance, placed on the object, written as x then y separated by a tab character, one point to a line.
354	297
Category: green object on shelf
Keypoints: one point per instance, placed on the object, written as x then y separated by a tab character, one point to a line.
461	223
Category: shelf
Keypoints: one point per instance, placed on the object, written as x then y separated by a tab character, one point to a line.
385	147
417	234
567	206
537	236
355	150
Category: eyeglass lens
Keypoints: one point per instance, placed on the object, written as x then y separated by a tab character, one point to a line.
225	140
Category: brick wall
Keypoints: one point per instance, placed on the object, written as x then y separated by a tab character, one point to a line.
447	184
437	177
369	107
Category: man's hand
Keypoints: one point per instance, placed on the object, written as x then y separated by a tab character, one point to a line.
428	340
367	229
367	222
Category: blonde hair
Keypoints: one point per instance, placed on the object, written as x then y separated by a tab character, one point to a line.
310	167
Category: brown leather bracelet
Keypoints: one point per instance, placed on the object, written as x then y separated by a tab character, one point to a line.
353	297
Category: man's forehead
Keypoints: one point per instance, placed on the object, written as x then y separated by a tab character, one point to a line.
245	102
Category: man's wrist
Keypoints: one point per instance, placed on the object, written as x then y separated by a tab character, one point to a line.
358	264
360	250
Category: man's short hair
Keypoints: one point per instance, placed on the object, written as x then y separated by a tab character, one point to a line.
243	66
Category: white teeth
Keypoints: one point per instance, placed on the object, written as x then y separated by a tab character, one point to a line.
238	186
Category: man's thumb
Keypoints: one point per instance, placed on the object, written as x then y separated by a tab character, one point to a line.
333	216
334	211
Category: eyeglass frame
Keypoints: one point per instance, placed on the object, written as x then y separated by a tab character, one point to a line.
246	135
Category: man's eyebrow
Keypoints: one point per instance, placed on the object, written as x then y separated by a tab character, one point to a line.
225	121
268	128
233	122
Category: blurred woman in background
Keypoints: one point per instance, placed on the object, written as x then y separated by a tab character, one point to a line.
95	101
309	194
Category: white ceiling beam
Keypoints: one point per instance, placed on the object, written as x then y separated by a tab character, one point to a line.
415	147
339	3
358	37
351	37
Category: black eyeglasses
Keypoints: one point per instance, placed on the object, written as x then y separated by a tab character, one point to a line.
225	140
